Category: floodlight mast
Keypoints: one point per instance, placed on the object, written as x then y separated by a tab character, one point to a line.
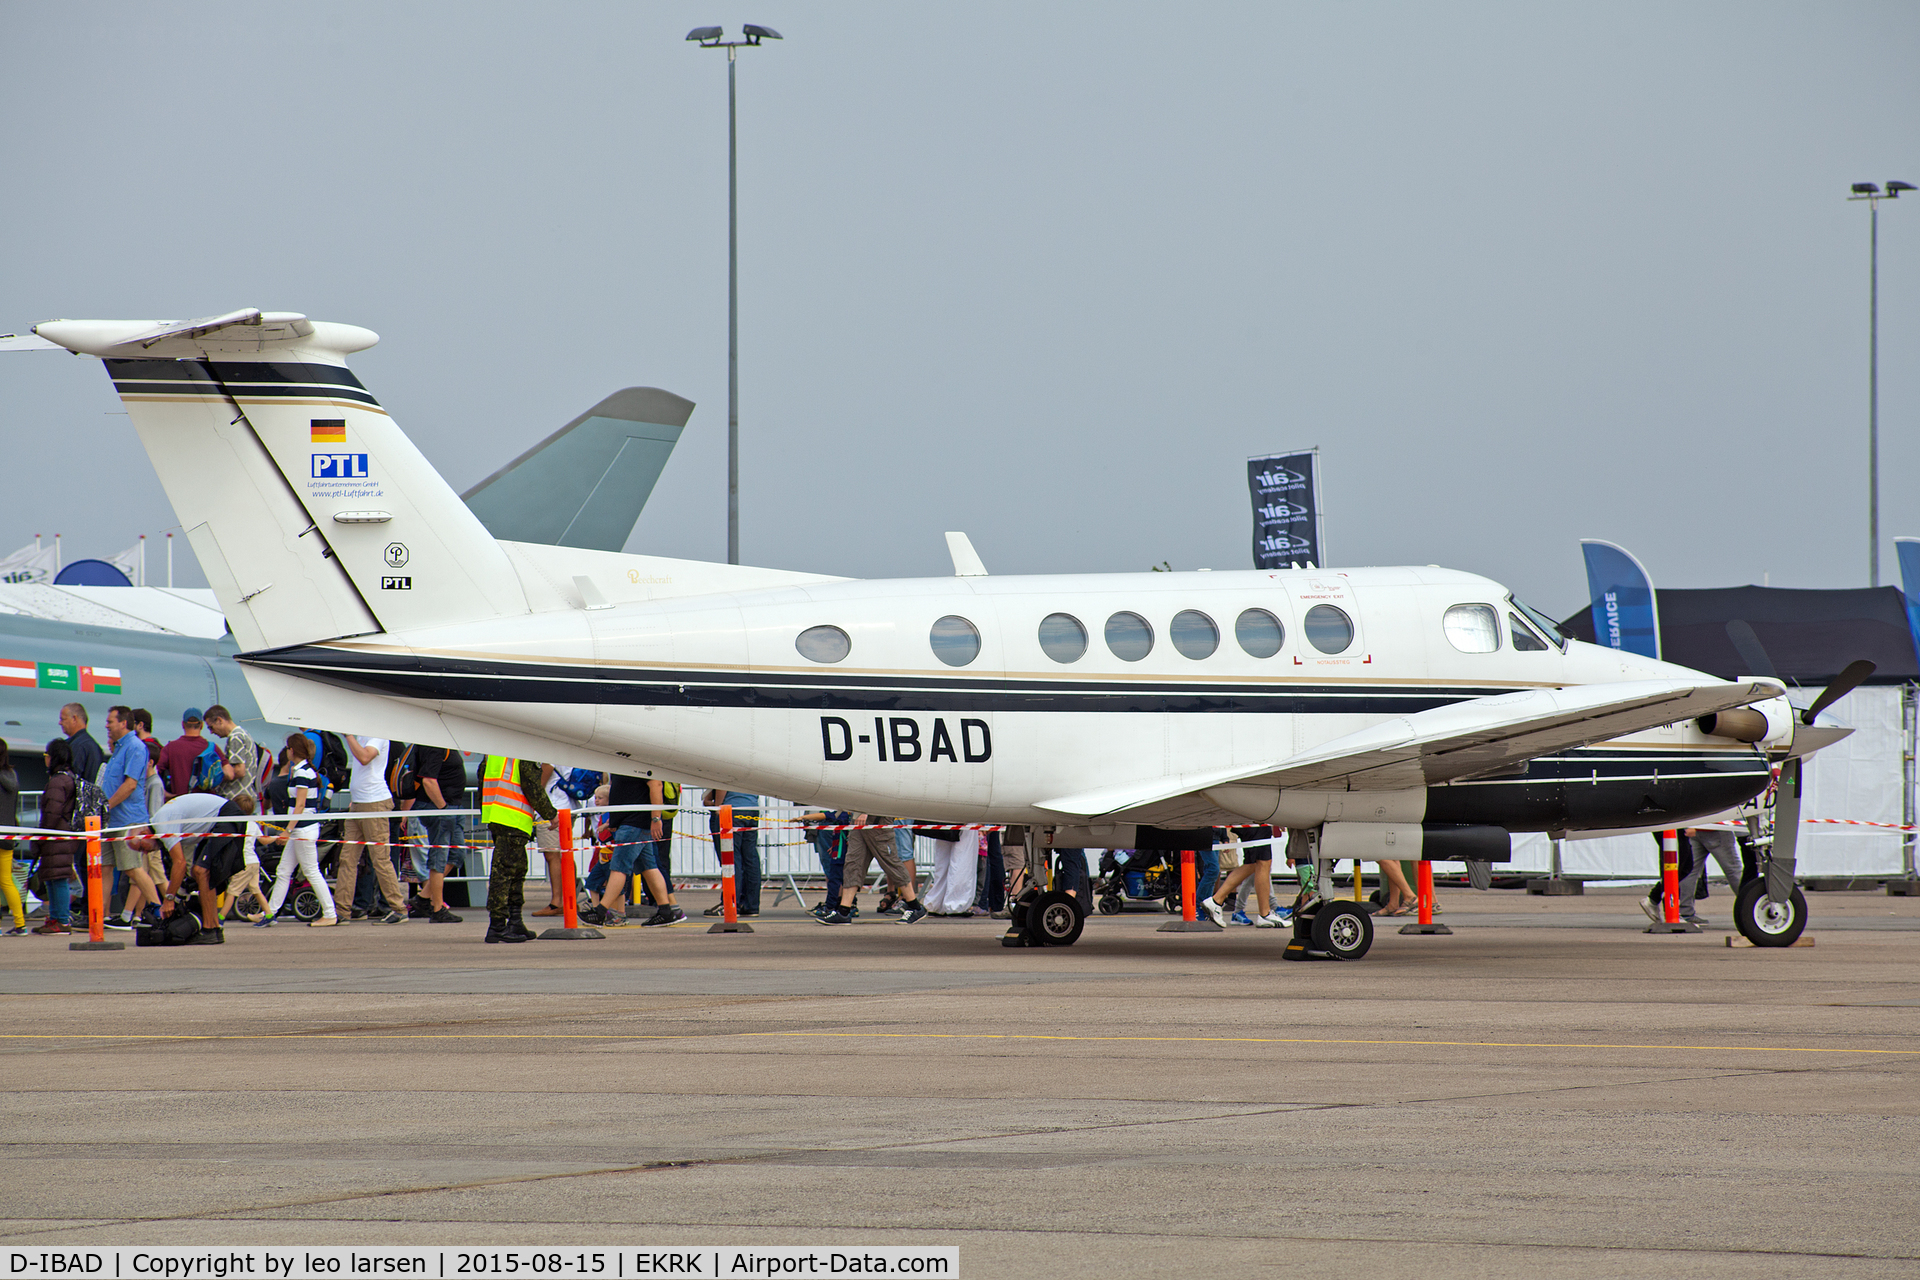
715	38
1873	196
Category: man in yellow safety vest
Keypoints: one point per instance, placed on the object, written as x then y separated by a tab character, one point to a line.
510	796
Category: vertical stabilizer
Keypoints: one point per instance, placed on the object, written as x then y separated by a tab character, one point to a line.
312	513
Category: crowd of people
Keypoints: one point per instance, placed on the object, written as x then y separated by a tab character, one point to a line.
216	827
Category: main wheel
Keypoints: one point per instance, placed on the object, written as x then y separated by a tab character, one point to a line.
1054	920
1343	930
1764	922
1111	906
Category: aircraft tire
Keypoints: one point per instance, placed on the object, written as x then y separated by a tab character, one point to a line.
1055	920
1342	930
1761	924
1017	913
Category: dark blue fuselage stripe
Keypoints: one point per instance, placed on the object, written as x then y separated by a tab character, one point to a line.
242	391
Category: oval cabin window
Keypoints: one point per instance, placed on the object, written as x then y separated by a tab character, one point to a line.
955	641
1259	633
1129	636
1194	634
1328	629
1062	638
823	644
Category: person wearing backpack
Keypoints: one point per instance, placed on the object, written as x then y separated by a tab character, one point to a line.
180	768
59	811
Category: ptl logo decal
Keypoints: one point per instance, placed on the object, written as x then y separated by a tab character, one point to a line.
340	466
396	584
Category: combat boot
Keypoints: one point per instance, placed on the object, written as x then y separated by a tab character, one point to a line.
503	931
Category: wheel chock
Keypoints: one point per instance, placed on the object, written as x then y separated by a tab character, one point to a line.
1298	950
1014	937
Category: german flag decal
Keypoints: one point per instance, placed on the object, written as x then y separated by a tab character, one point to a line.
329	430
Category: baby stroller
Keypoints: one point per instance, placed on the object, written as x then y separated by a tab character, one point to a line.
1136	876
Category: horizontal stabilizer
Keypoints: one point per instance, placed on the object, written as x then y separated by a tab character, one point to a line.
27	342
584	485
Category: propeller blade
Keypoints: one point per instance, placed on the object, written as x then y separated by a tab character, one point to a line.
1845	683
1786	832
1751	651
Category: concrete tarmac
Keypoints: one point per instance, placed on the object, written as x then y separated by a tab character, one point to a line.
1548	1092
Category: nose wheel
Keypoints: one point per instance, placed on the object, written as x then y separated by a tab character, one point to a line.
1764	922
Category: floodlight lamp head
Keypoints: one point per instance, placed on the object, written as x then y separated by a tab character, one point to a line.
1895	188
706	35
1865	189
755	33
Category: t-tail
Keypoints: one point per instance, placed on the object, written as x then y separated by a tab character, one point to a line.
311	512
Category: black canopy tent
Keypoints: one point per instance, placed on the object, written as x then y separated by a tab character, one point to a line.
1810	635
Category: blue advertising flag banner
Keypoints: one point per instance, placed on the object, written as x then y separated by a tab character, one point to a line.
1908	550
1286	510
1625	613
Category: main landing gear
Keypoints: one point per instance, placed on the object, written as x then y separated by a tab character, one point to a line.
1053	918
1331	931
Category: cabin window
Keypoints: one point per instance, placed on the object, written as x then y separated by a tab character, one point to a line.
823	644
1194	634
955	641
1523	638
1328	629
1259	633
1062	638
1129	636
1473	628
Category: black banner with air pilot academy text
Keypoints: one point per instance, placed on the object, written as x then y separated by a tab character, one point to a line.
1285	488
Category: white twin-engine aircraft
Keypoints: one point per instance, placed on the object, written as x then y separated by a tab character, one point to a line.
1384	713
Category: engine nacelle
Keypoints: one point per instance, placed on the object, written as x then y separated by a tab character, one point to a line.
1767	724
1415	842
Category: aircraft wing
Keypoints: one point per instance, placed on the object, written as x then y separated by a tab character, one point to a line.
1445	744
584	485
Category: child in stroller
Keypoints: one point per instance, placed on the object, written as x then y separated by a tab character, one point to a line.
1137	876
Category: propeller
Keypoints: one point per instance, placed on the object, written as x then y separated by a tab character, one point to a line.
1806	740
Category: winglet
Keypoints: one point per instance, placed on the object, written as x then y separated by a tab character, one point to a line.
966	561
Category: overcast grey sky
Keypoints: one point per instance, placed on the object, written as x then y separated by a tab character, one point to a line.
1047	273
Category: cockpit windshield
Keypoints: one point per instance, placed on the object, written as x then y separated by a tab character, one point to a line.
1547	625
